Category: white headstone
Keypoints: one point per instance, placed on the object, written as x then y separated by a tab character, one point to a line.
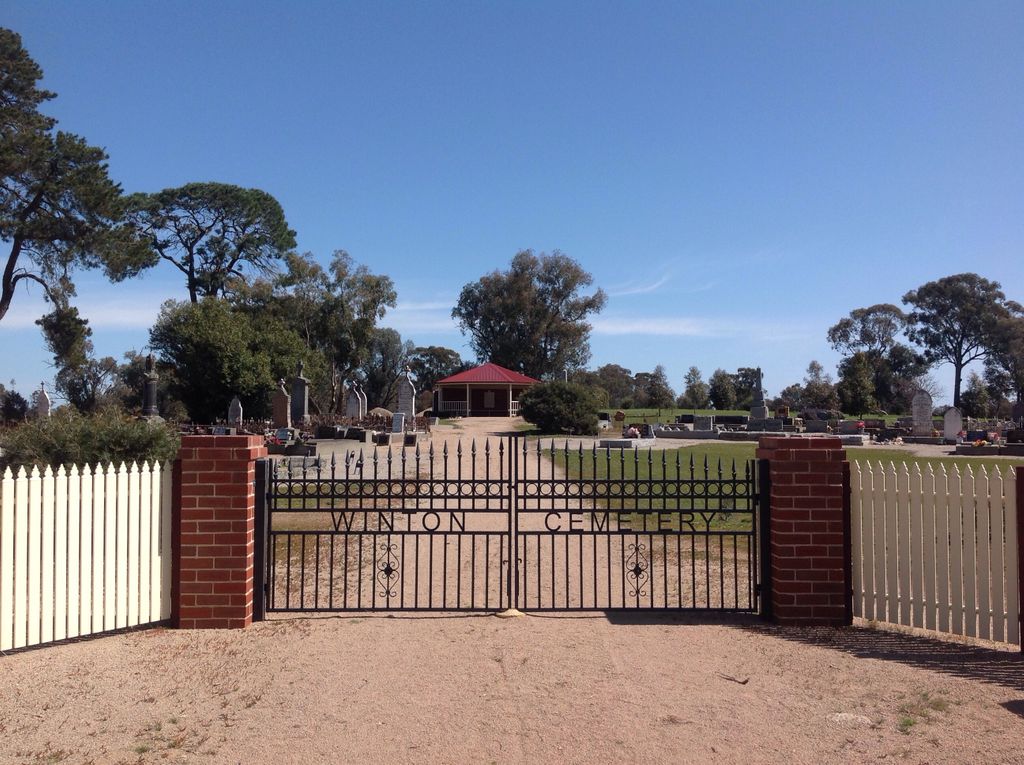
42	402
921	407
361	394
952	423
352	402
235	413
407	395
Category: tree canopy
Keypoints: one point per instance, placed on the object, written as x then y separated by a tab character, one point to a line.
695	394
953	319
217	353
212	233
533	317
872	330
58	207
334	310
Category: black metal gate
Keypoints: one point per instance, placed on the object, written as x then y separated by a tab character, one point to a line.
515	523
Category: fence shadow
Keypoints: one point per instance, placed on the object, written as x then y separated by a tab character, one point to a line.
965	661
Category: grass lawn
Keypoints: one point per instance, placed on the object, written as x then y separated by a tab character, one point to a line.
727	452
666	415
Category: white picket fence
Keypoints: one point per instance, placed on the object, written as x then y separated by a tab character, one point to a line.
936	550
83	551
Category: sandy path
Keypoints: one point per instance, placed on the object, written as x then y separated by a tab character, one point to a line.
481	689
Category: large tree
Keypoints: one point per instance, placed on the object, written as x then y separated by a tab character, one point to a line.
653	390
895	367
58	207
334	310
386	361
953	320
84	380
695	394
212	233
617	382
217	353
818	391
432	363
722	390
533	317
1004	367
856	387
872	330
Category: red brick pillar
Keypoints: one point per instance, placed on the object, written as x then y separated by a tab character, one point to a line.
214	582
808	530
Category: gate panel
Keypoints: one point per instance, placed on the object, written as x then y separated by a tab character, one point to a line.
620	529
583	529
390	530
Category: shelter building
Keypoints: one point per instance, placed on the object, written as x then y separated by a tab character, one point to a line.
488	390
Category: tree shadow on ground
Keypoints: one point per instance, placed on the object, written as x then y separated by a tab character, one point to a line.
964	661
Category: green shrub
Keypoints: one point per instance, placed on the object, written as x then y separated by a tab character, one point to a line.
559	407
70	438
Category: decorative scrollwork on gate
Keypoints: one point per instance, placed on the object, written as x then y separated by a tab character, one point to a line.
387	569
636	570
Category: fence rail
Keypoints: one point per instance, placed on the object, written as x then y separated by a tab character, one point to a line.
83	551
937	550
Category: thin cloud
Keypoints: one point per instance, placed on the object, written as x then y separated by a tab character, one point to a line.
430	305
641	289
137	312
688	326
668	327
418	317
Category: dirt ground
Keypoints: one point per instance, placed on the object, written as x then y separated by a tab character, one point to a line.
454	689
579	688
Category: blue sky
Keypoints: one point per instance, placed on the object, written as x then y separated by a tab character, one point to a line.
737	176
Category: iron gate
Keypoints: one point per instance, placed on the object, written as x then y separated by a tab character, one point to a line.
514	523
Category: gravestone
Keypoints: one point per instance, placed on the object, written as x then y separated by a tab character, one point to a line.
850	427
150	411
406	395
352	404
361	394
398	422
952	423
921	407
282	406
235	413
300	398
42	402
1017	413
703	422
758	410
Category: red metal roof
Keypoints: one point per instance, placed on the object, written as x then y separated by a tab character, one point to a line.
489	373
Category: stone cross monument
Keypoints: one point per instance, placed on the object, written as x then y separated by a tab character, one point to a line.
300	398
758	410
